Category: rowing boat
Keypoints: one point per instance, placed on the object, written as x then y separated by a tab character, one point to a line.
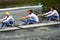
19	10
40	24
30	26
9	29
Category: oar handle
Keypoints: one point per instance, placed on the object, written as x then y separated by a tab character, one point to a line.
39	14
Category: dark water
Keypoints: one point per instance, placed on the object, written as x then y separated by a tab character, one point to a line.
41	33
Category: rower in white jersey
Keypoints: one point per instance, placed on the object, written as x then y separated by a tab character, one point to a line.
8	19
31	18
53	14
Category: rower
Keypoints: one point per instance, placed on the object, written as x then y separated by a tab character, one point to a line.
53	14
31	18
7	20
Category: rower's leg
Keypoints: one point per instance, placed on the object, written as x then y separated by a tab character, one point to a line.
55	17
29	21
49	18
4	24
52	17
11	23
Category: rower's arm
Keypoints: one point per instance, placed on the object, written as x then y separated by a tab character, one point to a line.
7	19
26	17
3	18
47	13
52	13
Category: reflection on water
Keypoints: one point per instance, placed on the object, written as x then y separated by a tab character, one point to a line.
42	33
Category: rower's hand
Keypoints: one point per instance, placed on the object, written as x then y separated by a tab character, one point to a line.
42	14
45	16
0	21
21	19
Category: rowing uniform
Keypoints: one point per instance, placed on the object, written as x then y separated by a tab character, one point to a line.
52	15
33	19
7	20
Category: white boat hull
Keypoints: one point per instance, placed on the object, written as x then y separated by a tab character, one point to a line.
9	29
40	24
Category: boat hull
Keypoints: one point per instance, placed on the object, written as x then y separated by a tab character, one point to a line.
29	26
